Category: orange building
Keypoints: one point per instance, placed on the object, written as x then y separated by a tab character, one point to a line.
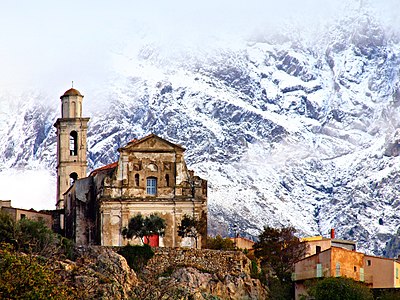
376	272
382	272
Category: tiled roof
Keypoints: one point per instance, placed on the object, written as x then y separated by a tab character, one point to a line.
103	168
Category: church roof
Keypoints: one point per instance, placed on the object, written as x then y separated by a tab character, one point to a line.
103	168
72	92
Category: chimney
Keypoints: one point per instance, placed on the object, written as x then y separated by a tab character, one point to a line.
332	233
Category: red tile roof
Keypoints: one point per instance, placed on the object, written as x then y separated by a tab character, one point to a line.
103	168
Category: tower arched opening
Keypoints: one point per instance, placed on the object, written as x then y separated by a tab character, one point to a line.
73	143
73	177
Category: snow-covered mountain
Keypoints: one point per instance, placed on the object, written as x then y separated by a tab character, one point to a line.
287	131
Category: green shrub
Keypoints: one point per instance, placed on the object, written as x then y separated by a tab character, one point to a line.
254	272
33	237
220	243
339	288
136	256
24	277
389	295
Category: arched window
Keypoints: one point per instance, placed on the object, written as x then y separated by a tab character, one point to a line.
167	180
73	143
64	109
136	179
73	112
151	186
73	177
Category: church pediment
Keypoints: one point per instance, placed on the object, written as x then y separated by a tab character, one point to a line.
151	143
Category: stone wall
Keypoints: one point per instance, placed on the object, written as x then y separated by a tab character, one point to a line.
210	261
197	274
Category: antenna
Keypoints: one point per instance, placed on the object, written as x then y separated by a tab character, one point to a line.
72	84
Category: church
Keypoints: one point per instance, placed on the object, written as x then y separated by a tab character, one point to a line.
150	177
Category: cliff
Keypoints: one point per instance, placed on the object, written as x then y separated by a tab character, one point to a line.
101	273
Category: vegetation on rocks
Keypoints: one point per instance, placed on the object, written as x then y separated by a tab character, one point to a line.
136	256
220	243
34	237
34	265
25	276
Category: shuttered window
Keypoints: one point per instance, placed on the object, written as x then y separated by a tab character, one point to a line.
319	270
151	187
337	269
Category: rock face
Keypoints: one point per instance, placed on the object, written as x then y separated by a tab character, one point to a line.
205	273
202	285
100	273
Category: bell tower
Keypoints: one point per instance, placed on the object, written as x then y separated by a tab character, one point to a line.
71	143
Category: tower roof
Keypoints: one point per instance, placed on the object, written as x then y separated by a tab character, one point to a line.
72	92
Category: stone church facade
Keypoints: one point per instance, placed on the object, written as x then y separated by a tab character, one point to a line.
150	177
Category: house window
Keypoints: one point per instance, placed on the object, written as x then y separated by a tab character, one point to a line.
151	187
368	262
319	270
355	269
397	273
167	180
23	216
136	179
362	274
73	143
317	249
337	269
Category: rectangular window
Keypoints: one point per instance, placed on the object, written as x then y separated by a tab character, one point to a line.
337	269
368	262
362	274
319	270
23	216
151	187
397	273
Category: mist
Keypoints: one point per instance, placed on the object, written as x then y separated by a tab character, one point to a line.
46	45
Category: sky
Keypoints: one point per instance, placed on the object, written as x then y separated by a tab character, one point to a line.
47	44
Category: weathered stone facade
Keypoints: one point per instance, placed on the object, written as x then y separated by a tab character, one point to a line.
150	177
71	143
98	207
